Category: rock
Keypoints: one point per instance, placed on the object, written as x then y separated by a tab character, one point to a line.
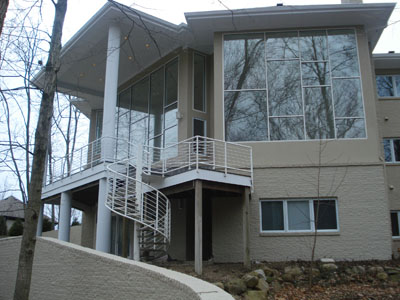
271	279
250	280
349	271
259	273
359	269
295	271
288	277
327	260
395	277
235	286
262	285
315	272
255	295
276	286
375	269
220	285
329	267
382	276
270	272
392	270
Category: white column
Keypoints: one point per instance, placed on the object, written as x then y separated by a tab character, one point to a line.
65	216
136	248
40	222
103	229
110	89
198	227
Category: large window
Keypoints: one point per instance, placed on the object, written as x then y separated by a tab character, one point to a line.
395	218
298	215
388	86
296	85
146	112
391	148
199	82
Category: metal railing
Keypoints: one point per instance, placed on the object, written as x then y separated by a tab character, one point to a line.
199	153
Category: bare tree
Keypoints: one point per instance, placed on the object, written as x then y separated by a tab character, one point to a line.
22	287
3	11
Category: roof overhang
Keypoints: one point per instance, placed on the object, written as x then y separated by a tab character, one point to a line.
373	17
386	61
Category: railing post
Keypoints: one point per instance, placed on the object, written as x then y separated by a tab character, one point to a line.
157	200
189	154
226	159
213	154
251	169
80	163
197	153
138	182
91	154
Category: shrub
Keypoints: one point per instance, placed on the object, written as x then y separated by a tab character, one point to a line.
17	228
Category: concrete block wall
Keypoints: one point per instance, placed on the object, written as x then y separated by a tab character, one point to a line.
74	234
66	271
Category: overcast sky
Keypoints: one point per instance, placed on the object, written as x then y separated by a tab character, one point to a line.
79	12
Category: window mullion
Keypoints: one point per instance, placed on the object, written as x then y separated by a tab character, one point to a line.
285	216
312	215
398	223
392	150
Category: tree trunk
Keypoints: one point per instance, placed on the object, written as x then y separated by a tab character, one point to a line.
3	11
23	282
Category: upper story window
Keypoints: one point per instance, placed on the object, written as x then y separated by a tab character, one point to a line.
391	148
388	85
199	82
296	85
146	112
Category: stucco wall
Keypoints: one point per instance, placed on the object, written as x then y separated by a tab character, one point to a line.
362	207
74	234
66	271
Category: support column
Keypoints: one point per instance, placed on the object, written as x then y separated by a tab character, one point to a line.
136	248
110	90
40	222
64	224
198	227
246	228
103	229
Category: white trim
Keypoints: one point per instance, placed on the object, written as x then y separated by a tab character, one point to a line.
286	215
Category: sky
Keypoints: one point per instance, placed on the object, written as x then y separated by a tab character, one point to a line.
79	12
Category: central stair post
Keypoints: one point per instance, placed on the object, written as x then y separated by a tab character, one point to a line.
139	202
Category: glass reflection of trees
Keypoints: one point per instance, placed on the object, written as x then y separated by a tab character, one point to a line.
146	112
292	86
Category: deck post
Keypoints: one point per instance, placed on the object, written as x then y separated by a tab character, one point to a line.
198	227
103	229
246	228
39	228
65	216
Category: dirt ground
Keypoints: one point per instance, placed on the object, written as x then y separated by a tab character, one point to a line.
358	288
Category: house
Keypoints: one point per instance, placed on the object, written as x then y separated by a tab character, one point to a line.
11	209
232	137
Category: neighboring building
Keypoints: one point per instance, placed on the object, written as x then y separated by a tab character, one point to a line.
387	70
286	98
11	209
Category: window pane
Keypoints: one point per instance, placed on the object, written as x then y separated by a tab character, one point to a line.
397	80
396	146
325	214
388	150
171	82
170	115
313	45
244	62
156	102
138	135
284	89
124	101
315	74
319	115
271	215
384	86
140	100
246	116
198	127
282	45
347	97
395	223
299	215
350	128
286	128
343	53
199	82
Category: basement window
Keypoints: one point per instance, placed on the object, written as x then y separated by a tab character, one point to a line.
391	149
298	215
395	216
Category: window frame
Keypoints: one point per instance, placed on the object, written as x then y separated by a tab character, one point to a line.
396	95
392	151
328	61
398	223
311	221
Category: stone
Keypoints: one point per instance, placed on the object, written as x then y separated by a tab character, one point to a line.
259	273
262	285
329	267
276	286
250	280
295	271
395	277
255	295
288	277
375	269
382	276
270	272
270	279
315	272
392	270
327	260
235	287
220	285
